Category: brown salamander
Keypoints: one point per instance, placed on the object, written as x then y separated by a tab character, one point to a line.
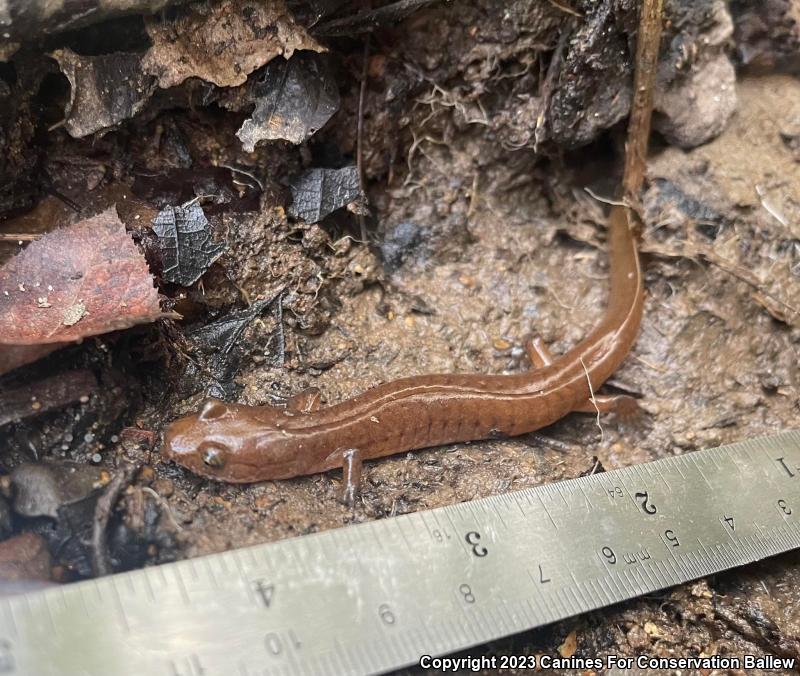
243	444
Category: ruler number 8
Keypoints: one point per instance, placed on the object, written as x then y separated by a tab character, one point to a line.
784	507
466	593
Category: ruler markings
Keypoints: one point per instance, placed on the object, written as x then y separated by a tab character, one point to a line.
330	585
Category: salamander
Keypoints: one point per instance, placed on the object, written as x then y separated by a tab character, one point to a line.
244	444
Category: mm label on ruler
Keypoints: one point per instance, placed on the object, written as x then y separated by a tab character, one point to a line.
373	597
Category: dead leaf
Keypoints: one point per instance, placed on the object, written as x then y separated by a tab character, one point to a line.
222	41
104	90
319	192
184	234
570	644
95	281
294	99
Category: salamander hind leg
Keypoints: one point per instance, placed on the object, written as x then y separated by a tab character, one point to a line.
622	404
352	465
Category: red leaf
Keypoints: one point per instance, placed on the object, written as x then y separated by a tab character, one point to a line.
77	281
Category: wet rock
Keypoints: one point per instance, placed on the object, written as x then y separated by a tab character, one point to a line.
696	92
768	33
401	242
42	489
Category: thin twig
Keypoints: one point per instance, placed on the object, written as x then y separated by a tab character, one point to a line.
605	200
593	400
18	237
164	507
103	510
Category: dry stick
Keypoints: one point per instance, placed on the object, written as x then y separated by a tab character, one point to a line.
647	46
360	133
646	64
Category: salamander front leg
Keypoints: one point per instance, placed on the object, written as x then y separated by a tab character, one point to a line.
305	401
538	353
351	475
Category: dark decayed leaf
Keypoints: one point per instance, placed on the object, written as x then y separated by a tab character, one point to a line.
371	19
319	192
104	90
78	281
184	234
293	98
220	349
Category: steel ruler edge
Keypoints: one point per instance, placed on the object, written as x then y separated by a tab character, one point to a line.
376	596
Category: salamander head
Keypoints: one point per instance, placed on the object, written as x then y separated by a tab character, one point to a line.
233	442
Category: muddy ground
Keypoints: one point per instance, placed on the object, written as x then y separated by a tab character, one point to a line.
477	238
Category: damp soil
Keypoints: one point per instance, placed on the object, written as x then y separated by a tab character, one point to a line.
474	245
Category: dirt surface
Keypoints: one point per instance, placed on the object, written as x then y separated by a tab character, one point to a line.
478	240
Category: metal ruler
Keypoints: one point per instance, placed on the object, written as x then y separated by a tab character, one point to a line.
376	596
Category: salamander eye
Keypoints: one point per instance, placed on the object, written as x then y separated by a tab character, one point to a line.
214	456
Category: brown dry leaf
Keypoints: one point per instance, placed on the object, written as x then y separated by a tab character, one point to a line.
570	644
78	281
222	41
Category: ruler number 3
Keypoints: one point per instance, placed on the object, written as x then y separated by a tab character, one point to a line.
473	539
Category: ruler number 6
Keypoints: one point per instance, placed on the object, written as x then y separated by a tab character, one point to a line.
386	614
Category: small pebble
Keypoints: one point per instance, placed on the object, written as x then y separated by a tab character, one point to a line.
97	458
84	399
164	487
